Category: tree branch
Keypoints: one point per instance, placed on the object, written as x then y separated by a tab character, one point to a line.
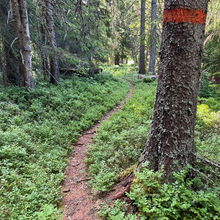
215	164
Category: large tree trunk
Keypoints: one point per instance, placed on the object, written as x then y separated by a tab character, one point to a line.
153	48
142	39
171	139
22	37
54	65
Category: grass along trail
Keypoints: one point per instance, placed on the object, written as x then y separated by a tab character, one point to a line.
78	203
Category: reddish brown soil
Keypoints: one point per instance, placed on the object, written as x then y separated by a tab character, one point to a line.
80	203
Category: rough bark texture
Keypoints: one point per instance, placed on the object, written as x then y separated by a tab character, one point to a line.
54	65
153	48
142	39
171	139
21	31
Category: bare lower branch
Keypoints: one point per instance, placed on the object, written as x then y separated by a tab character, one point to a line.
202	174
215	164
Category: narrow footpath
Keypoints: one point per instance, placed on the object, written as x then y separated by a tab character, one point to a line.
78	204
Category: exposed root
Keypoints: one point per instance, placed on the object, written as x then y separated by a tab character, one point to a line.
127	184
129	179
122	193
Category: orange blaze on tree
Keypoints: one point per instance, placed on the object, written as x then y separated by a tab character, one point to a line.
183	15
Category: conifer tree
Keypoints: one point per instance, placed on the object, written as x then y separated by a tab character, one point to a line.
171	139
22	40
153	40
142	39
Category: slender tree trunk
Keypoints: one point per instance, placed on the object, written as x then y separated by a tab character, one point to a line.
142	40
22	35
117	58
43	55
147	52
3	79
171	139
54	65
153	48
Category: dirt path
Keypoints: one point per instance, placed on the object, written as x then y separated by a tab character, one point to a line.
78	203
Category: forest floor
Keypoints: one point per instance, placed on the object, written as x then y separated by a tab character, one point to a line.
80	203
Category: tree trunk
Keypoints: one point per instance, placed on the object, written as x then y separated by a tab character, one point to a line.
171	139
117	58
22	36
142	39
54	65
43	55
9	61
153	48
147	52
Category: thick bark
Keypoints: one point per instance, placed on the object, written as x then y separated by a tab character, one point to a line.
54	65
21	31
142	39
153	48
171	139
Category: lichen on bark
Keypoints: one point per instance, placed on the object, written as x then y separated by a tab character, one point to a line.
171	139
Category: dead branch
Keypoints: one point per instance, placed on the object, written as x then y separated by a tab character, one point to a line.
215	164
78	181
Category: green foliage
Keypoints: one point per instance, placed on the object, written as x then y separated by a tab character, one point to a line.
117	212
205	90
166	201
207	132
121	139
173	201
36	129
48	213
147	80
120	142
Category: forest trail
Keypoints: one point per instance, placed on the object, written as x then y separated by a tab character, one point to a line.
78	204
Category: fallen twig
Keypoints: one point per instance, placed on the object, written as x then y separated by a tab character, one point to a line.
84	180
75	165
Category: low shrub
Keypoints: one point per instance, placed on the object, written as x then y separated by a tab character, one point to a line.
121	139
120	142
167	201
36	129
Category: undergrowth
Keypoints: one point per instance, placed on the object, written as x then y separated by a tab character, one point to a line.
120	139
120	142
36	129
178	200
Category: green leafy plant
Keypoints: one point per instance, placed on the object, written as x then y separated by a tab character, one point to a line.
36	129
173	201
120	140
119	144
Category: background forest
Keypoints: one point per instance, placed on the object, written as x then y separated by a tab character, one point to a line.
61	68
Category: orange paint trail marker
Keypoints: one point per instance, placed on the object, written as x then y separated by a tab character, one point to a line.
183	15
